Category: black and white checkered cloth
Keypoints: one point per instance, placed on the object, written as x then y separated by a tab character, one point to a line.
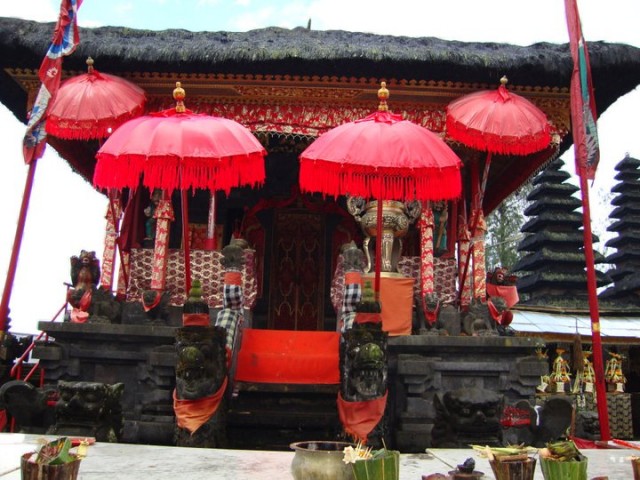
230	320
351	298
232	297
231	316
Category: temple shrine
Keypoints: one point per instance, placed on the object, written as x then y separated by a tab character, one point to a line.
258	296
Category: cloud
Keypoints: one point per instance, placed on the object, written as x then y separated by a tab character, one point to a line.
38	10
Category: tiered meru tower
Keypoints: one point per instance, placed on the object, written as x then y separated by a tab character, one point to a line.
626	216
553	270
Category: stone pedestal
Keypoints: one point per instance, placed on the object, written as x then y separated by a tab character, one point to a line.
139	356
422	366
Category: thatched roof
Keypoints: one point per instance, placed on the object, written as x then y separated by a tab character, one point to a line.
615	67
329	57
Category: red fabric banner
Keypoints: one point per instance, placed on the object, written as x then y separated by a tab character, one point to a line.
583	104
64	42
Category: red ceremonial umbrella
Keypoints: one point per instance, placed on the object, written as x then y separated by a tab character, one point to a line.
381	156
93	105
180	149
500	122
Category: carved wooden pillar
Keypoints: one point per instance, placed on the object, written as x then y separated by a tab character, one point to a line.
163	215
427	223
479	265
114	212
464	279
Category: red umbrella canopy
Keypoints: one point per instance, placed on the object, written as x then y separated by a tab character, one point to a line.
180	149
498	121
381	156
93	105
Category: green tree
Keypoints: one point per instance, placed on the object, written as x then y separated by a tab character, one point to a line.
503	230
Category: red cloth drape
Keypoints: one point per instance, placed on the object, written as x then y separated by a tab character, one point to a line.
360	418
192	414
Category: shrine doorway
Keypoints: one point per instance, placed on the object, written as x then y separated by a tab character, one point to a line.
297	241
297	270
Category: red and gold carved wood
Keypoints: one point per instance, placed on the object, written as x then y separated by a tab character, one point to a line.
297	271
114	212
464	279
479	266
122	284
163	215
427	223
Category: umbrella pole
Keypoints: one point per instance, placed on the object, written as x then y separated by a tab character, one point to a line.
378	249
475	216
15	252
185	242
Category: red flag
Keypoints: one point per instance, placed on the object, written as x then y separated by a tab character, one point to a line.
583	105
64	42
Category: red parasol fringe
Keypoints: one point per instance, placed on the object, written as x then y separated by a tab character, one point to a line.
422	183
170	172
88	129
498	144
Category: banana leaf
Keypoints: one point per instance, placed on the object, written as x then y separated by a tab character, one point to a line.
385	465
564	470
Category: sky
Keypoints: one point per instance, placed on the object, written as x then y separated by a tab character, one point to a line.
65	213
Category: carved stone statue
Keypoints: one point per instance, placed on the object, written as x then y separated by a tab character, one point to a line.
89	409
477	321
396	218
363	376
85	270
201	380
27	405
89	303
503	294
353	259
467	416
363	363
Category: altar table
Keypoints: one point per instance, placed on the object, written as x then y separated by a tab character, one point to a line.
119	461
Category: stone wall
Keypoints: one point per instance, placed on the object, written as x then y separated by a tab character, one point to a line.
422	366
140	356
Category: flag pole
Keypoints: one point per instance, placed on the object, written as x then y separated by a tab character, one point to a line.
601	394
15	252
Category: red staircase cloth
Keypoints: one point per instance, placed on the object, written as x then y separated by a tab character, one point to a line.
288	356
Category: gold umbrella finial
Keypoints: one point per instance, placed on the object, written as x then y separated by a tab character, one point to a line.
89	64
178	96
383	94
504	80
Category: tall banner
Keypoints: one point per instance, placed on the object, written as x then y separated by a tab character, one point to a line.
64	42
583	105
585	139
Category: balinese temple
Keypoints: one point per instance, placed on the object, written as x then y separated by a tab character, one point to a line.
292	341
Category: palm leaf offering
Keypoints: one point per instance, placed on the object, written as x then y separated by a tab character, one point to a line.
55	452
369	464
383	465
563	461
511	452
